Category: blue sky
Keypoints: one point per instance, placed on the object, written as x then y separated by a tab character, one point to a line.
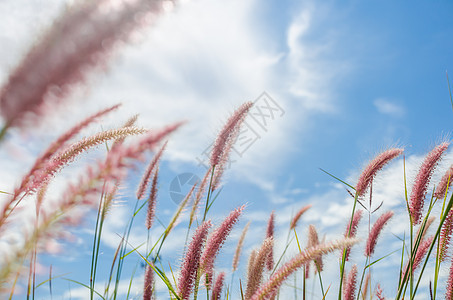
352	77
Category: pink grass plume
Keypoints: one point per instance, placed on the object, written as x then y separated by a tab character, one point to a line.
349	288
373	167
218	286
444	184
113	168
148	284
42	175
59	144
351	229
68	155
445	236
419	255
237	253
28	183
224	143
217	238
298	215
421	252
152	199
449	290
149	170
379	292
191	261
313	241
422	180
225	139
256	267
270	234
376	231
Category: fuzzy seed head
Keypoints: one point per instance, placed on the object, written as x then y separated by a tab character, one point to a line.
226	137
191	261
422	180
299	214
351	229
444	184
373	167
217	238
376	231
351	284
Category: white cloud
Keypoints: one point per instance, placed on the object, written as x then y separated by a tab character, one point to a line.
389	107
198	63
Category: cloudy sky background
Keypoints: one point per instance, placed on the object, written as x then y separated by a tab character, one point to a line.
352	79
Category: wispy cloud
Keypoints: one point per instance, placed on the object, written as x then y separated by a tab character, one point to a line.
389	107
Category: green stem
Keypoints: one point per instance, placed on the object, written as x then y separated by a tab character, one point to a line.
209	194
3	132
361	279
343	258
95	252
320	280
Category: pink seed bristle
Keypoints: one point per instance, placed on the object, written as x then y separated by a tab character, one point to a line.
422	180
373	167
376	231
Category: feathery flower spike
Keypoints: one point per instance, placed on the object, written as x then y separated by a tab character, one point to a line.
445	236
270	234
218	285
429	222
251	262
129	123
313	241
351	284
237	253
268	289
113	168
444	184
379	292
421	252
226	137
449	291
373	167
68	155
148	285
44	158
149	170
353	231
56	146
191	261
217	238
41	176
152	200
225	141
420	187
255	273
299	214
376	231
